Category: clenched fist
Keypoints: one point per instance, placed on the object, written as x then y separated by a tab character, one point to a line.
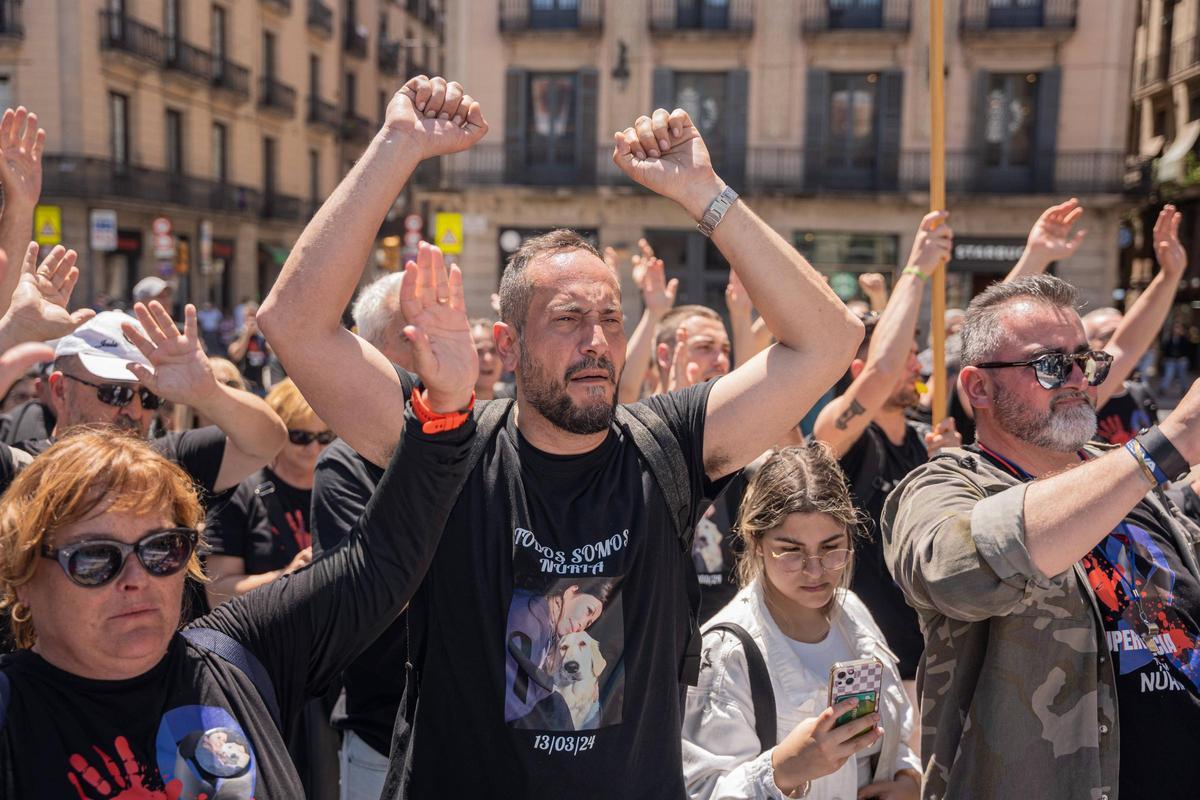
436	115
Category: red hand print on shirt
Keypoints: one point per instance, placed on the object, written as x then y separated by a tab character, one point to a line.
124	782
300	532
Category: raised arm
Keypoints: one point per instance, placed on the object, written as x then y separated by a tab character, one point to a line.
1142	324
349	383
658	296
180	372
846	417
874	286
759	402
1050	239
21	143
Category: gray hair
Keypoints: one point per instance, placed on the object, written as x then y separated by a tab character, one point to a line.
370	311
982	334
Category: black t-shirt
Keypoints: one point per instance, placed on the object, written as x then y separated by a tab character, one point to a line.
30	420
194	722
1120	419
255	364
1158	698
264	522
550	632
873	467
715	550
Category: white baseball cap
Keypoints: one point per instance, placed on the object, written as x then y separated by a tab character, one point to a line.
149	288
102	347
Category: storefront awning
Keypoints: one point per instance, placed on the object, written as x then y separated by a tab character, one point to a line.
1170	168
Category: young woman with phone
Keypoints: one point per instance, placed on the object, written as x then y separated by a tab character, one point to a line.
798	646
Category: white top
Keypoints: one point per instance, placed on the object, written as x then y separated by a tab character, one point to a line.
721	757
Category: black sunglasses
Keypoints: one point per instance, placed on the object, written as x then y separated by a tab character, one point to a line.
308	437
95	562
121	394
1053	369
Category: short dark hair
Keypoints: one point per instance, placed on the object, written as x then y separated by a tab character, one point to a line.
981	333
516	291
664	332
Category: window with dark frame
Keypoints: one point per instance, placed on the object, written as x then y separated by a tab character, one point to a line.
174	142
269	55
171	28
268	166
351	90
1010	120
118	111
314	177
551	14
217	39
314	77
851	142
550	122
220	152
703	96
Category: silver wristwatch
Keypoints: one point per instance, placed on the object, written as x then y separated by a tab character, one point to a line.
716	210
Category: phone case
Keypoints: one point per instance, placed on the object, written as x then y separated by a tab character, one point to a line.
862	679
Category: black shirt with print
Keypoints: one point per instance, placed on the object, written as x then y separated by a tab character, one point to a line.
549	635
1158	698
264	522
194	725
716	549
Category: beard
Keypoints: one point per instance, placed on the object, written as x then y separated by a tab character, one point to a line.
1062	430
550	398
904	397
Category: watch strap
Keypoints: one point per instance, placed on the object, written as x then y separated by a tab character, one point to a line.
716	210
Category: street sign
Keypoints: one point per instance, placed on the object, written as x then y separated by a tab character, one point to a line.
448	233
161	226
103	230
47	225
205	246
413	222
164	239
412	239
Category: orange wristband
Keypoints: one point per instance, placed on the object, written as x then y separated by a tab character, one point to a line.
433	422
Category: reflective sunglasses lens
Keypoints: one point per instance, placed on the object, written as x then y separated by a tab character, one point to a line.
166	553
150	401
1052	370
114	394
1096	370
325	437
94	565
300	437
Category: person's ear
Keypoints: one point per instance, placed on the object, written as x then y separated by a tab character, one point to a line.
58	389
977	386
508	345
856	368
662	356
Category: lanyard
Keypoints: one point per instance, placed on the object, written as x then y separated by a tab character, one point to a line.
1127	582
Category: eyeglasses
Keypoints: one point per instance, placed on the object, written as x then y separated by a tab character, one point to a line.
121	394
796	560
303	438
95	562
1053	369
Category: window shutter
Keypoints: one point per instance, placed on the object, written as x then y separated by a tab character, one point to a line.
586	103
890	98
816	126
664	89
1045	135
972	177
732	165
516	105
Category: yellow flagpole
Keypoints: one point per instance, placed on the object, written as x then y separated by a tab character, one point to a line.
937	197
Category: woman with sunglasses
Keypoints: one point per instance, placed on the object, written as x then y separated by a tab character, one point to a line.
797	525
107	699
262	532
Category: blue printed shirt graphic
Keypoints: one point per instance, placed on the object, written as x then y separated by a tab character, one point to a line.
206	750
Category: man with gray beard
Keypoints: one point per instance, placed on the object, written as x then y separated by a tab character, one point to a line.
1058	589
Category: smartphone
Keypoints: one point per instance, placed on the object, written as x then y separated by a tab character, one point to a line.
861	680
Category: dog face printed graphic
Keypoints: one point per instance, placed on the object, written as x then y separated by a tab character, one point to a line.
578	665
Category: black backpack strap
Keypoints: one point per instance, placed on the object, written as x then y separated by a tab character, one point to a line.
5	696
234	652
662	452
761	693
864	483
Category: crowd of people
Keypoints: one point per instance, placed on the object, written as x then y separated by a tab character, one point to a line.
733	554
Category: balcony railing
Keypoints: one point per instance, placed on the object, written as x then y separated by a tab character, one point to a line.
991	15
823	16
276	96
1090	172
356	128
389	57
284	6
189	59
423	11
231	77
1185	56
1152	70
124	34
525	15
713	16
320	17
282	207
323	113
12	25
87	177
355	40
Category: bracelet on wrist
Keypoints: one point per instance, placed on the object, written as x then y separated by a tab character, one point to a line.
912	269
435	422
1162	456
1135	449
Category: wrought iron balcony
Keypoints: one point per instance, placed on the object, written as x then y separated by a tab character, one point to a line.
709	16
355	42
824	16
88	178
282	6
124	34
980	16
320	17
276	96
323	113
389	57
188	59
586	16
356	128
1185	57
282	207
231	77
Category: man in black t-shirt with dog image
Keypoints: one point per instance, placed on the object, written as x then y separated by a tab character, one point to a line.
567	485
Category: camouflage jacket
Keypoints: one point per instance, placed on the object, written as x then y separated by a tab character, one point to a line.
1018	694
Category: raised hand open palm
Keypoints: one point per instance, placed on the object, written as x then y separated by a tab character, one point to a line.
1167	248
444	356
39	303
21	143
179	370
1051	235
438	116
